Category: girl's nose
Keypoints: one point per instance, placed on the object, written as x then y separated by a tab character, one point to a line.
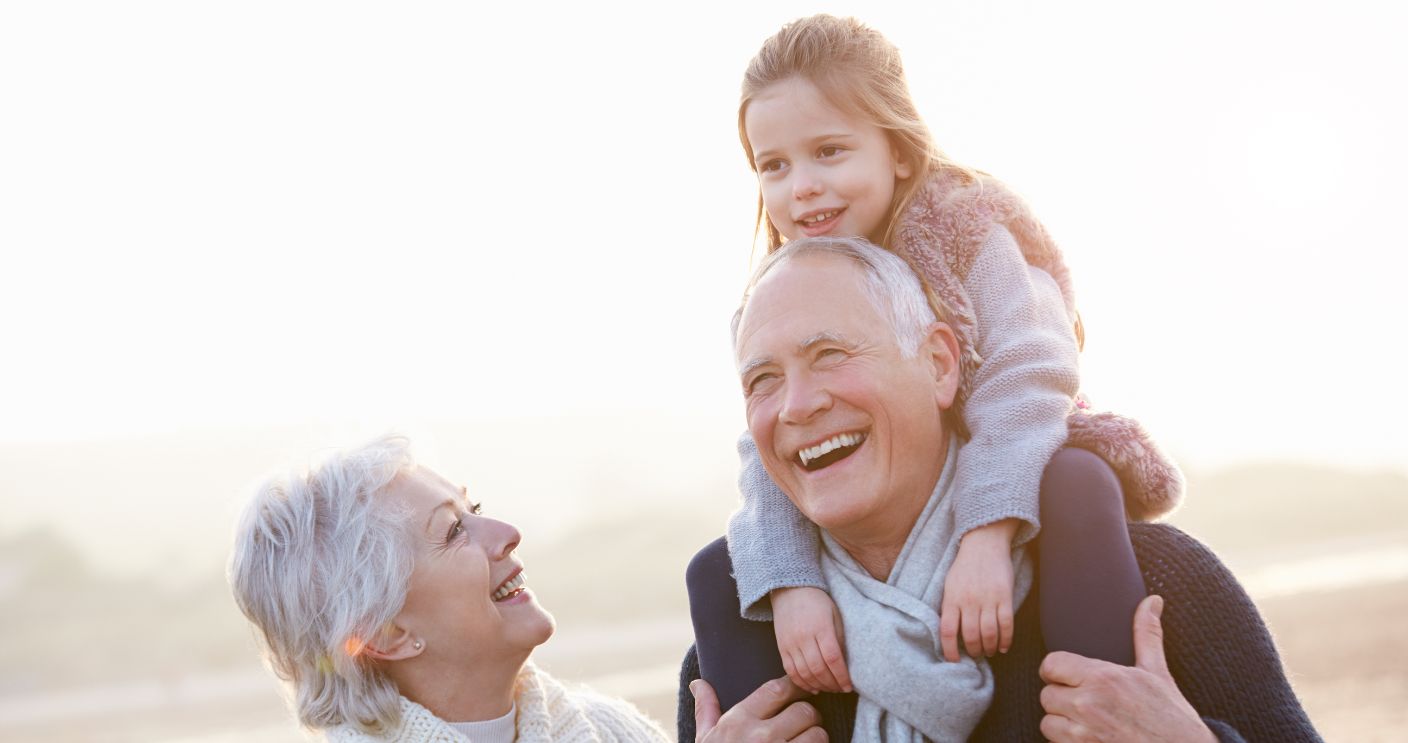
805	184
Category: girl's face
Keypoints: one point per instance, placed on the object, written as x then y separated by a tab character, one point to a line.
822	171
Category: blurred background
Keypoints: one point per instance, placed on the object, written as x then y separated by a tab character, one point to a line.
238	235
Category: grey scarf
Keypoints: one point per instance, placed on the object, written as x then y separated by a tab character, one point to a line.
908	692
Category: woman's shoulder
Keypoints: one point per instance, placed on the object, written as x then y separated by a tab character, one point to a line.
554	711
417	725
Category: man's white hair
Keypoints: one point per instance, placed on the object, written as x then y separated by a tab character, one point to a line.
321	565
891	285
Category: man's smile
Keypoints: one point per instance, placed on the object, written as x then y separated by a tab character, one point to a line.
830	451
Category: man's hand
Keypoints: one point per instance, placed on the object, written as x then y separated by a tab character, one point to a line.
768	714
810	639
978	593
1091	700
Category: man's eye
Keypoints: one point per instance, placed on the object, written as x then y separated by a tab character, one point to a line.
832	353
760	383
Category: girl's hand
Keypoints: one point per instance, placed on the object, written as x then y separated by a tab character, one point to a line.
809	638
978	593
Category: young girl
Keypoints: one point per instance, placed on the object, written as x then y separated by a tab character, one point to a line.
827	122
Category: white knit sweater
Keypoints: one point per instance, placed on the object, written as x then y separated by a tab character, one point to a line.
548	712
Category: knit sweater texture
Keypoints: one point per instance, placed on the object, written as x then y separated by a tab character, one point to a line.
548	712
1008	297
1219	651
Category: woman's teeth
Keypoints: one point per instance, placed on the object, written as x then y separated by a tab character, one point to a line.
826	447
511	587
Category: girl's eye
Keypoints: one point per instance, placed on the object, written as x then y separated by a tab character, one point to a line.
830	151
771	166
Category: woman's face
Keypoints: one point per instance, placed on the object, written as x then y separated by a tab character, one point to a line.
467	602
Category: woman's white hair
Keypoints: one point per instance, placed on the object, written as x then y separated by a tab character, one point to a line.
894	289
320	566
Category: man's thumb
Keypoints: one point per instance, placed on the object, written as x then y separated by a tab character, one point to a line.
1149	636
706	707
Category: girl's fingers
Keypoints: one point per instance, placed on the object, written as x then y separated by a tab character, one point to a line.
972	633
795	670
1005	626
824	680
835	660
988	627
948	632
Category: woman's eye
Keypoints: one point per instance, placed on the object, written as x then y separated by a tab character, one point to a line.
829	353
456	529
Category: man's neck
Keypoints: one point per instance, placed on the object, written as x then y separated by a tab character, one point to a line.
876	544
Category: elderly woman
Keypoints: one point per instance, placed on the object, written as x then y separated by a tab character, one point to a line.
397	612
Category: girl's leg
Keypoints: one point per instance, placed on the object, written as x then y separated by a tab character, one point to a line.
1089	580
736	655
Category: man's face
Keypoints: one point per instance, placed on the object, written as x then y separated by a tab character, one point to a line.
843	422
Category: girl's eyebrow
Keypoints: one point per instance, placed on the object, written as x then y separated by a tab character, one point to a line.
760	155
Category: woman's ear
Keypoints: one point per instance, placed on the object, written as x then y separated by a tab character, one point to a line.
394	643
941	349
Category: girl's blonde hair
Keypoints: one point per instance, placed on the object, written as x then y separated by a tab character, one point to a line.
858	71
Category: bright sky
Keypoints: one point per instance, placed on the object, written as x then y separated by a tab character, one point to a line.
257	213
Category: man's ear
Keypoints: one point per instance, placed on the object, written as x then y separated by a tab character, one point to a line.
394	643
940	348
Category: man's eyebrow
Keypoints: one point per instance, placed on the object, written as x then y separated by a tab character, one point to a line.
825	336
747	368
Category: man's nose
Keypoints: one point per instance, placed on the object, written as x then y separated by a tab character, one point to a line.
803	399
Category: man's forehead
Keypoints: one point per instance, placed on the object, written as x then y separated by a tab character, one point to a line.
801	304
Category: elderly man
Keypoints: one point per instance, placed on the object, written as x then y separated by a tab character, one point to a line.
823	347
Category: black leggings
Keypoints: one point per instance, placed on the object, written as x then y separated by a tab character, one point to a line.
1089	584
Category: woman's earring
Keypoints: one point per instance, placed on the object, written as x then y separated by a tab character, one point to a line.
418	645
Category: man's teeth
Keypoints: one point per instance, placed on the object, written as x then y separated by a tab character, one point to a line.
819	217
830	445
508	588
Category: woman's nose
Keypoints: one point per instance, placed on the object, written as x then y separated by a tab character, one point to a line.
502	538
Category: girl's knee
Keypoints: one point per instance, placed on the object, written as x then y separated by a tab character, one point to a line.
1077	481
710	573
